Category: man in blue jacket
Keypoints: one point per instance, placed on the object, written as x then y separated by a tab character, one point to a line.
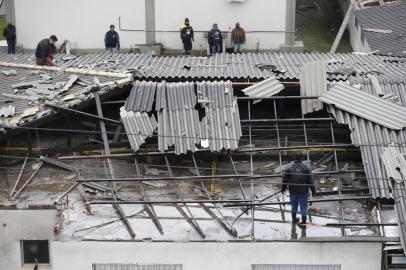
112	40
299	179
215	40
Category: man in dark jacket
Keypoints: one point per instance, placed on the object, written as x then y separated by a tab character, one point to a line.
10	34
215	40
112	40
186	35
45	51
299	179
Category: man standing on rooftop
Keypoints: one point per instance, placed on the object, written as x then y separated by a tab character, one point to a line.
112	40
238	38
215	39
299	179
186	35
45	51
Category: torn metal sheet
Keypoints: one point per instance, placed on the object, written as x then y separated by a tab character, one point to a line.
138	126
72	80
265	88
313	82
366	106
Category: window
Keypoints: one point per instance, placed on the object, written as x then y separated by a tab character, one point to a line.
295	267
117	266
35	251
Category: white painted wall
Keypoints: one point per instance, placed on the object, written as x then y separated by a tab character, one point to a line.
16	225
84	22
253	15
217	256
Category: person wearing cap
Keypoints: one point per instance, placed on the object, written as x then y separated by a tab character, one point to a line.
215	40
238	38
187	37
299	179
112	40
45	51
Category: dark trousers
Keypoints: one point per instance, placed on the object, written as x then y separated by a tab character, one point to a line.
299	200
187	46
215	48
11	46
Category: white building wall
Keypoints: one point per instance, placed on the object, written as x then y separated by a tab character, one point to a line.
16	225
217	256
83	22
266	17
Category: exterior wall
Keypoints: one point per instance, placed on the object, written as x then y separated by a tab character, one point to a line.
265	17
217	256
16	225
83	22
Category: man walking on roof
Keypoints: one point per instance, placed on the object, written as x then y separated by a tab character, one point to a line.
45	51
112	40
187	36
299	179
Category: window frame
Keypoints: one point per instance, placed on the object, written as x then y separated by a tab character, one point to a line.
40	265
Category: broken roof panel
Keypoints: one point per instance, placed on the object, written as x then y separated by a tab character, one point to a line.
265	88
313	82
366	106
141	97
138	126
31	93
383	28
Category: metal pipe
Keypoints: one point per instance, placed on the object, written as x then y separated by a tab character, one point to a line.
350	146
310	201
278	97
360	224
83	113
287	120
172	202
192	178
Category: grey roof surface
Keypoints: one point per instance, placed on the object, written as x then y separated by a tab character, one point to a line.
366	106
386	17
313	82
245	66
30	100
141	97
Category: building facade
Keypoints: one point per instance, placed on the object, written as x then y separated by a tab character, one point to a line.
269	24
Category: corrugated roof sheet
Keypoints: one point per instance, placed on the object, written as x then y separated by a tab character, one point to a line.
252	66
7	111
313	82
391	18
138	126
141	97
265	88
366	106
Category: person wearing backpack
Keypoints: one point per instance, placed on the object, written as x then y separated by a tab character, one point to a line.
10	34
